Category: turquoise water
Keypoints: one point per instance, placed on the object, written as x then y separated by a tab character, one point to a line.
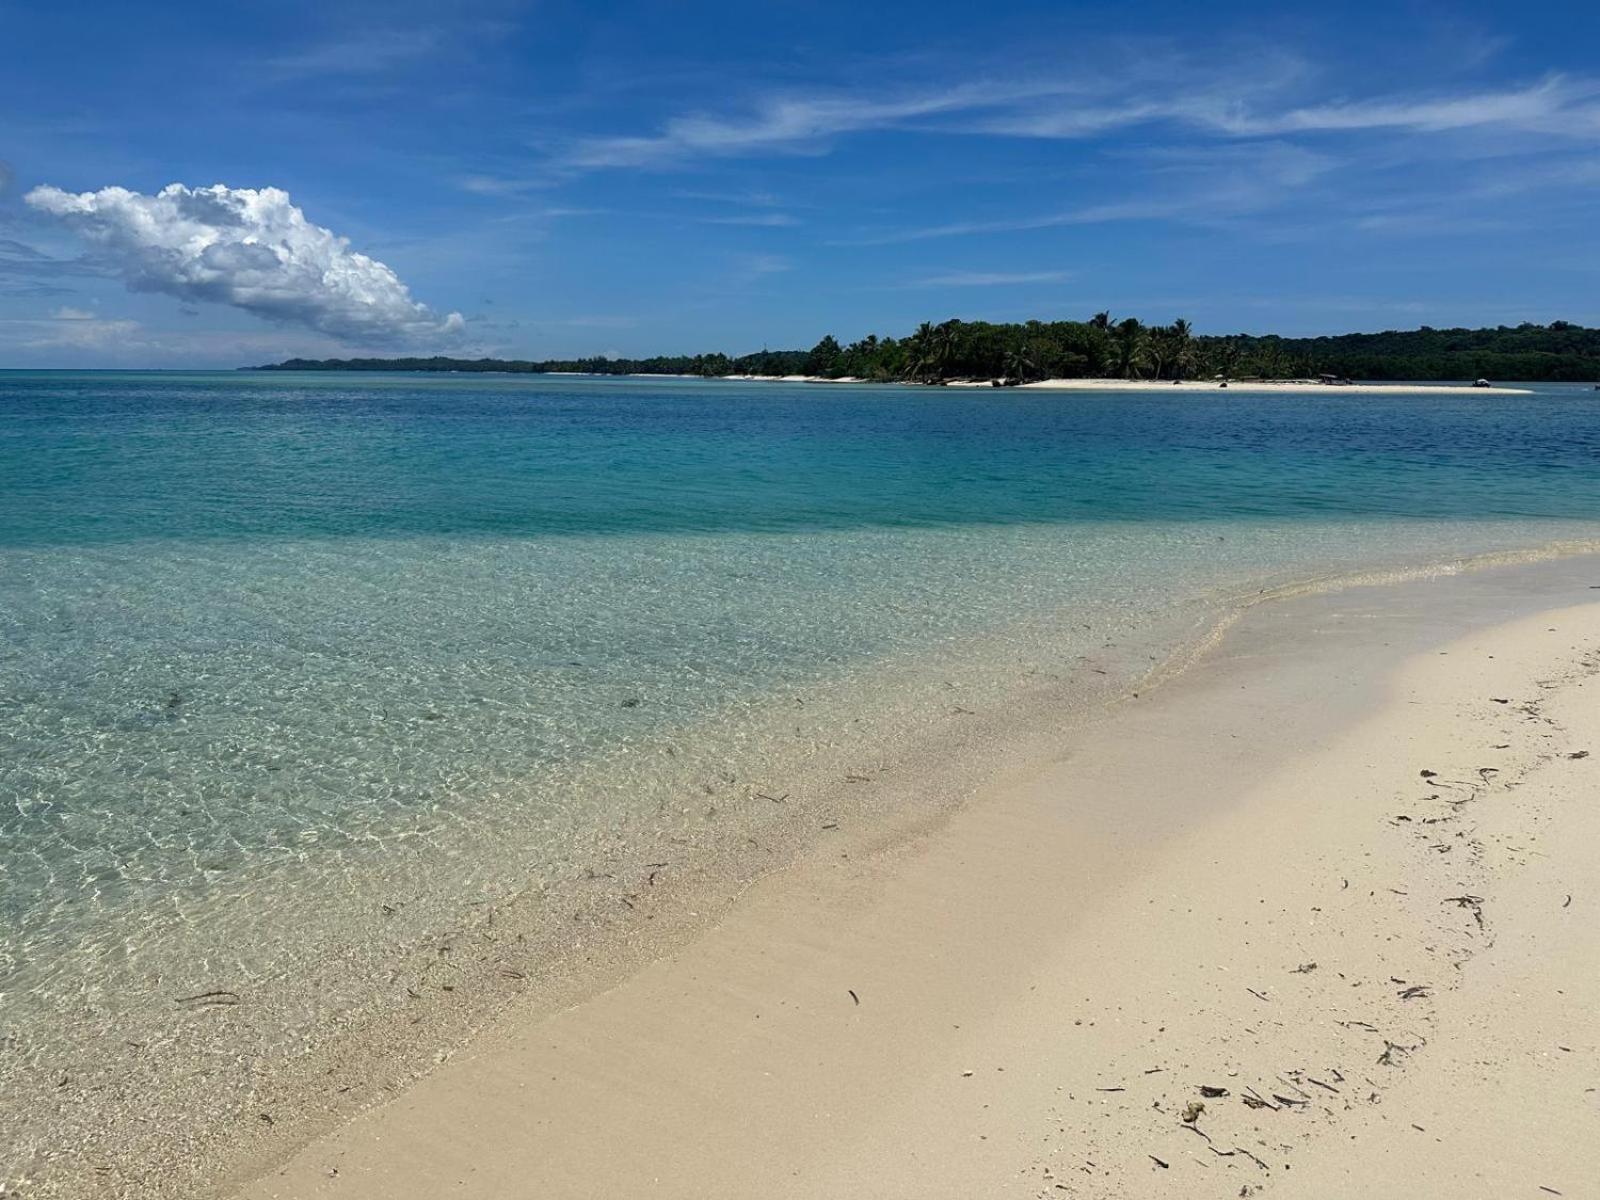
276	650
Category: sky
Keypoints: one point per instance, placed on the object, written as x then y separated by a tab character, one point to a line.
212	185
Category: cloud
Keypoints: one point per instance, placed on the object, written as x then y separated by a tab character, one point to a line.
366	53
83	331
765	264
1093	214
1084	99
1552	105
1184	184
18	259
65	313
756	198
992	278
248	248
775	220
788	124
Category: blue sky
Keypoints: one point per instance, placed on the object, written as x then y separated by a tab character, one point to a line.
550	179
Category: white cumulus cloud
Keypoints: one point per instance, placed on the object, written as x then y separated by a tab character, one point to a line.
250	248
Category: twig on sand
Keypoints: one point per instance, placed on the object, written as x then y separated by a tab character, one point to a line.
1474	903
1387	1058
1253	1099
1243	1151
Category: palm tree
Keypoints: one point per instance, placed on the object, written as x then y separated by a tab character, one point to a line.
1227	357
941	348
1130	348
919	351
1182	354
1273	362
1020	365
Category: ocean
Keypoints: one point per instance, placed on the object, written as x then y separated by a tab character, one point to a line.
300	674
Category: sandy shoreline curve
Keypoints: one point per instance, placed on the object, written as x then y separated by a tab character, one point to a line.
1271	386
1259	386
1328	890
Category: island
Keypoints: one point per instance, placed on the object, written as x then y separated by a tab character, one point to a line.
1102	347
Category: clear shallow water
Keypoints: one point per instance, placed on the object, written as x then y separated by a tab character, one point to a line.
278	649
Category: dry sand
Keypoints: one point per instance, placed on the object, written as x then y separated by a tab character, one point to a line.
1346	870
1271	386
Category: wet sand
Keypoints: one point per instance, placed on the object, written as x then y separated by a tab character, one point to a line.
1341	873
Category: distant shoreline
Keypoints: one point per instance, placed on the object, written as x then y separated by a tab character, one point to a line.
1270	386
1167	385
1100	348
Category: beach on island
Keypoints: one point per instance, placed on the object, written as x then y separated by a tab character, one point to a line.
1315	917
1275	386
1259	386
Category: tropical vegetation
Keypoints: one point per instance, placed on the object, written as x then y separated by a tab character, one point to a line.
1101	347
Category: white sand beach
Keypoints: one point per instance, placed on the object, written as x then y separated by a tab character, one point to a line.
1318	918
1270	386
792	379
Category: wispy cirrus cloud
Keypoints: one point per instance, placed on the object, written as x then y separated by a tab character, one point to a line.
1090	214
756	265
1178	184
19	260
360	52
1555	104
989	279
70	329
754	199
1084	103
30	274
789	124
774	220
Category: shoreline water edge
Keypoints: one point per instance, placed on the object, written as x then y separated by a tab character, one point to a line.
1245	934
1168	386
511	962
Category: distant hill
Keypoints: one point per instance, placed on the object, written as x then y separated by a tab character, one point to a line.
1097	348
